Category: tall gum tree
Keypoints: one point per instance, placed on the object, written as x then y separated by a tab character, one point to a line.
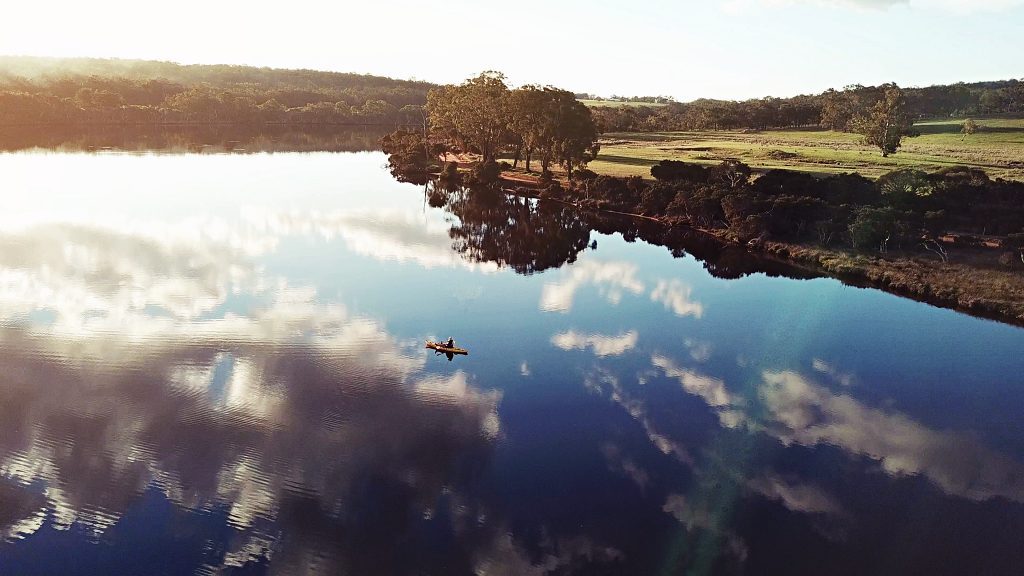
887	122
527	118
474	113
570	131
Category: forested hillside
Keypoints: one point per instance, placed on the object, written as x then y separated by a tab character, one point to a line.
91	90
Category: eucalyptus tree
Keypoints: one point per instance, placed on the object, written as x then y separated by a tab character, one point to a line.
887	122
969	127
570	136
473	114
527	106
483	115
413	114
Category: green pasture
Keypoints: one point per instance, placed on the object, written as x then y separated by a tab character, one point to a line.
998	148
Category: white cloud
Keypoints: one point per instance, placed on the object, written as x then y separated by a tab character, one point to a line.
118	315
387	236
33	519
797	411
699	351
611	278
844	378
603	382
132	278
798	497
804	413
503	556
699	516
278	398
622	464
711	390
456	390
601	344
100	279
676	296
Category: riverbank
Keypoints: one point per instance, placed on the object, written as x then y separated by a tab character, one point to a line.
971	283
979	291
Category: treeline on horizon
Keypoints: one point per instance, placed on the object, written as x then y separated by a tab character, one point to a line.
832	109
110	91
628	99
36	90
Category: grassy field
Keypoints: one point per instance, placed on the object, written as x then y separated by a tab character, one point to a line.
616	104
998	147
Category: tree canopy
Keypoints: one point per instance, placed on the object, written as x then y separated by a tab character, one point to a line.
484	116
474	113
886	123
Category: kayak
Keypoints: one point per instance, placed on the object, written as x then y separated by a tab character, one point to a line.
440	347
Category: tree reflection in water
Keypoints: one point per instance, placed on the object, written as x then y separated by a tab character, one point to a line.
530	235
179	139
524	234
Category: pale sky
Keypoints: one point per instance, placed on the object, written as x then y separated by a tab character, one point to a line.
713	48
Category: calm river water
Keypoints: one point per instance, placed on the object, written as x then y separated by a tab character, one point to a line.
215	364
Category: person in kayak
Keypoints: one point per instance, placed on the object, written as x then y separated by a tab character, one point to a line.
450	343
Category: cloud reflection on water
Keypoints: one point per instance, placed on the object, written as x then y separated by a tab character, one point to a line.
294	421
601	344
802	412
611	278
677	297
382	235
793	409
795	495
140	358
760	453
122	373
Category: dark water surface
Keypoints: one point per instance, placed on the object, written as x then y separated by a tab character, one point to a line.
215	364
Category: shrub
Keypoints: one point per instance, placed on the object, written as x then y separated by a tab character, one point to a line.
780	182
553	190
485	174
450	174
731	173
903	189
584	175
676	171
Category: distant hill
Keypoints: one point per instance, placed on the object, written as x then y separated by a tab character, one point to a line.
216	75
97	90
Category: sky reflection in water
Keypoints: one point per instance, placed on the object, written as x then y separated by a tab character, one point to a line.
215	363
